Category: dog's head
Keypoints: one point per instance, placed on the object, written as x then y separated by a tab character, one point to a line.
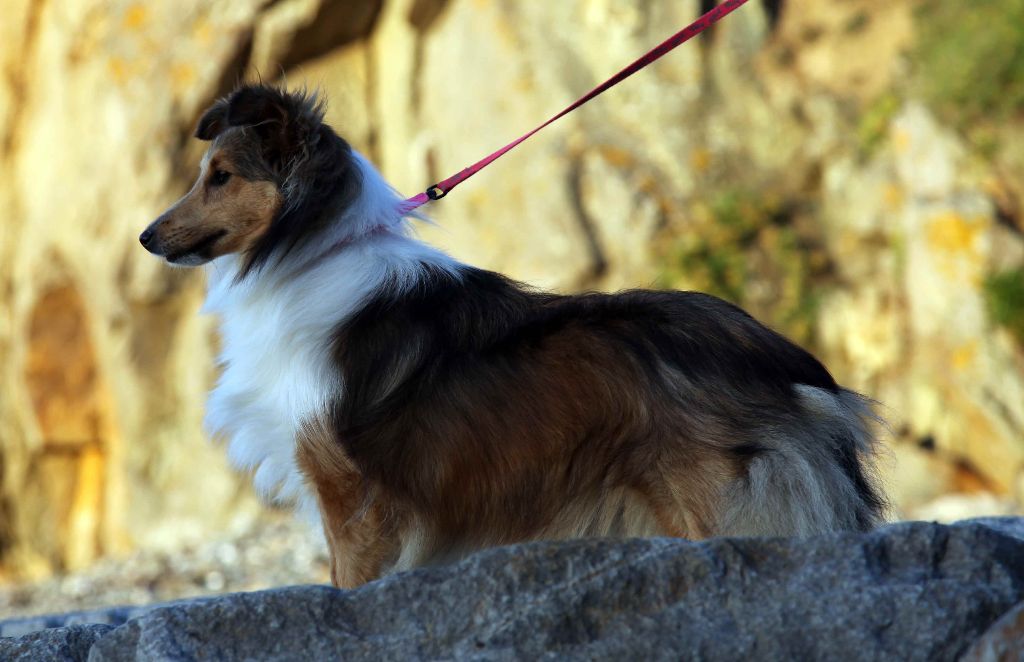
262	143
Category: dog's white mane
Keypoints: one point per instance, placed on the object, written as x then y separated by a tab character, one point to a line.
277	325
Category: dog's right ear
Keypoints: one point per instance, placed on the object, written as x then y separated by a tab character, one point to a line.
213	121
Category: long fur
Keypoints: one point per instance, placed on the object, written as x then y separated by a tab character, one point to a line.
427	408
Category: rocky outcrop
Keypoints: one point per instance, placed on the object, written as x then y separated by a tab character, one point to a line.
63	644
912	591
793	160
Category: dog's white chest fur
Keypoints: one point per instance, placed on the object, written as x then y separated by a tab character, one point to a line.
277	331
276	374
277	327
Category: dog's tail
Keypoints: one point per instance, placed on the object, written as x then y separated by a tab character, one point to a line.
815	478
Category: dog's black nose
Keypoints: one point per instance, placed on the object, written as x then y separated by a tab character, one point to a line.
146	237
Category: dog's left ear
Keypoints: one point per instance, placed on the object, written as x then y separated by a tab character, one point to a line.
258	106
274	115
213	121
253	106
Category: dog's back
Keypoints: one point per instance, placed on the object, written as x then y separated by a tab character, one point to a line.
484	413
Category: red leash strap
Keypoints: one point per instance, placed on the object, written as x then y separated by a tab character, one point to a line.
442	188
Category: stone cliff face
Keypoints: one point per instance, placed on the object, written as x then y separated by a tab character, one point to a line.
798	160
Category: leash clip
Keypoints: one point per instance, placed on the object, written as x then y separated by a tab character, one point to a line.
435	192
717	12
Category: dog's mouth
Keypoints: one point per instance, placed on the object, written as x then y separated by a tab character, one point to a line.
196	253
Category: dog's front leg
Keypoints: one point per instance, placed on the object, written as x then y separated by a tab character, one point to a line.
361	540
360	527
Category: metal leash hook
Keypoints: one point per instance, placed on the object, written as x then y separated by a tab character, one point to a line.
435	192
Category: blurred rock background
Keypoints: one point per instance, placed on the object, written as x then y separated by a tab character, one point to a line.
850	171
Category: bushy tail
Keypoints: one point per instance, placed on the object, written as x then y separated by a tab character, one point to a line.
815	478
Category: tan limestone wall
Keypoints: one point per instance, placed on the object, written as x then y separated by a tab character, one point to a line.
753	163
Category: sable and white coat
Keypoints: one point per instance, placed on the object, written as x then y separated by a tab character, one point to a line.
426	408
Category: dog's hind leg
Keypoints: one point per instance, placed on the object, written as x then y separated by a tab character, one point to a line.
685	494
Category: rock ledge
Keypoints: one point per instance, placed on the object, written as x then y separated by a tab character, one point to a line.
913	591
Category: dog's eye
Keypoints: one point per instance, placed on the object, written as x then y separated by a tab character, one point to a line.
220	178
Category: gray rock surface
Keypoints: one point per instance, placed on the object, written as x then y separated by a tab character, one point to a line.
910	591
65	643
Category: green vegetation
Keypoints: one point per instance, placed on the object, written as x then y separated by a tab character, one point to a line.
801	295
1004	294
969	58
716	260
874	122
744	248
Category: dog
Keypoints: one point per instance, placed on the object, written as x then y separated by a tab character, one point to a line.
427	408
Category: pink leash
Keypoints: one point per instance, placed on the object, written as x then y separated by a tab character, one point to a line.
441	189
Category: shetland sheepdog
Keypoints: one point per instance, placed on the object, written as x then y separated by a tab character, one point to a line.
427	408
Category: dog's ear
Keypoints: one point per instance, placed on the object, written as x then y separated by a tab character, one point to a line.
213	121
258	106
274	116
